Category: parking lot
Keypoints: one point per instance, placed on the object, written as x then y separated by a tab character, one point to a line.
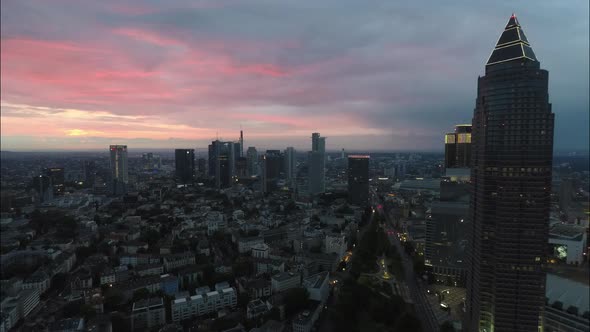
452	297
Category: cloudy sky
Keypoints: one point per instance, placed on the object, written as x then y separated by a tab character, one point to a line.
375	75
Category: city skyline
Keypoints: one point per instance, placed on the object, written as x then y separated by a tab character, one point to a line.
375	79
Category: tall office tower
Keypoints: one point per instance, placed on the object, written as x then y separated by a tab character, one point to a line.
184	160
342	155
223	179
241	143
316	161
57	175
358	179
511	186
272	165
252	157
202	166
458	147
89	173
241	167
44	188
222	159
218	149
445	245
119	173
565	193
290	165
315	141
147	160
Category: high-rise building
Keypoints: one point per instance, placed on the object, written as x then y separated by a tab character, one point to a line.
57	175
458	147
445	245
272	165
147	160
565	193
225	151
89	172
290	165
185	164
511	186
202	166
241	167
358	179
252	157
316	161
44	188
119	172
241	143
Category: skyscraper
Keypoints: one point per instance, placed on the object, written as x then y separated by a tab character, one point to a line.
290	165
252	157
458	147
57	175
358	179
316	161
43	186
185	164
227	151
119	173
272	161
511	186
241	143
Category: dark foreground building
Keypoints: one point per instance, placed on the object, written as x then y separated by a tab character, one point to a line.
511	185
358	179
185	165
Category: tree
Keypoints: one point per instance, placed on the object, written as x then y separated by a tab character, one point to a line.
407	322
447	327
141	294
296	300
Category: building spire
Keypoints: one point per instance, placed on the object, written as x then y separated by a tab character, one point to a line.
512	44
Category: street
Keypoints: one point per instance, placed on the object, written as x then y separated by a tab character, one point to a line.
417	291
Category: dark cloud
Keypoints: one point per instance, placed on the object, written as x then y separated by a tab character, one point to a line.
405	68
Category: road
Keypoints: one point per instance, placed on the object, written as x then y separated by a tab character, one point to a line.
417	291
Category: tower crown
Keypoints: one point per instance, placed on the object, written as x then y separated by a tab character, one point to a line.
512	45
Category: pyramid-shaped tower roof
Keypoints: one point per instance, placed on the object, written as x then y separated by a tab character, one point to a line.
512	45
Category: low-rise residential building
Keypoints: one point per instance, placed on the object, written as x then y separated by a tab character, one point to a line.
149	270
256	288
568	242
285	280
132	247
169	284
245	244
68	325
148	313
318	286
18	306
567	307
223	296
260	250
256	308
215	222
335	243
304	321
175	261
127	287
39	280
139	259
269	265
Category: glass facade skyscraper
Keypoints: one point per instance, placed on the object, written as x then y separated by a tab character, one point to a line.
511	186
184	160
358	179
